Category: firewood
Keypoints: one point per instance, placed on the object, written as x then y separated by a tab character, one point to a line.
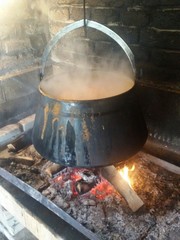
24	160
7	157
20	143
50	168
112	175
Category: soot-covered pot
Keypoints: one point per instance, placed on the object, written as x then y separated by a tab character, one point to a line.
89	133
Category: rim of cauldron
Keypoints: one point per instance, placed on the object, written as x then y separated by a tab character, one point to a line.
87	100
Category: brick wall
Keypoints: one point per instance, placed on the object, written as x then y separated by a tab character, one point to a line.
23	36
77	47
150	28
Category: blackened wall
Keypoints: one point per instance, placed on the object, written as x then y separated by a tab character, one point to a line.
151	29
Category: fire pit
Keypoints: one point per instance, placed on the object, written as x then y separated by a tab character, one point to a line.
88	199
90	203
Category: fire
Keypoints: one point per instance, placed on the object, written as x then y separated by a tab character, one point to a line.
124	172
80	181
102	189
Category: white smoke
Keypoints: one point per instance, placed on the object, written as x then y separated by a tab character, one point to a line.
87	75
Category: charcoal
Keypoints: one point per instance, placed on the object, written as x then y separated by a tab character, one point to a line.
84	187
67	191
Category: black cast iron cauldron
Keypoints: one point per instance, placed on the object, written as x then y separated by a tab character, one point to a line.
89	133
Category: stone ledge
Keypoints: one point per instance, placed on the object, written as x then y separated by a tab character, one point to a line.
27	123
9	133
12	131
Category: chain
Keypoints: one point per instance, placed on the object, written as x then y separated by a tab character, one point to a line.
84	10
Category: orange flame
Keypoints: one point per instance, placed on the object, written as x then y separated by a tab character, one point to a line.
124	172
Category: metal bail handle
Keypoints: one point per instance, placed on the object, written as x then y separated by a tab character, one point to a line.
91	24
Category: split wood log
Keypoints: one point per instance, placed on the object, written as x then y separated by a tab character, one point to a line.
4	161
112	175
50	168
7	157
29	161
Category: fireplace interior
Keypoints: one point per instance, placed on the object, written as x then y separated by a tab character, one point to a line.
93	202
88	204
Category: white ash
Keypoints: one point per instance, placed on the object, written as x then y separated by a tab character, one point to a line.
50	192
61	202
167	227
67	190
88	202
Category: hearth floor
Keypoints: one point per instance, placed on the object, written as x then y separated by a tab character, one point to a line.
110	218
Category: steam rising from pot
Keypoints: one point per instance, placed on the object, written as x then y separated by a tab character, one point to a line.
87	85
88	76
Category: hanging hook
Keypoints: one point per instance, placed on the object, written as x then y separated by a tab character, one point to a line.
84	10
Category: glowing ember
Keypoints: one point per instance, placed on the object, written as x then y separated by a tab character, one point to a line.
103	189
124	172
83	181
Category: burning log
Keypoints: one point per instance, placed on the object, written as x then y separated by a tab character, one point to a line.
112	175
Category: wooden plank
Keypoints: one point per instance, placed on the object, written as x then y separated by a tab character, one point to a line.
6	235
10	222
164	164
33	216
27	218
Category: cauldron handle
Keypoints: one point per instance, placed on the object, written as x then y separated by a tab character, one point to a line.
91	24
